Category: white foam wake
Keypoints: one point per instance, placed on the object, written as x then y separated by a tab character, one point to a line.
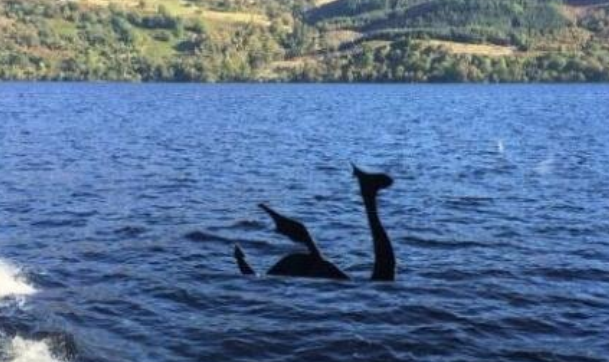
12	283
21	350
17	349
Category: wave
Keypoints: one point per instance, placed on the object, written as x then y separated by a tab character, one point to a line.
22	350
12	283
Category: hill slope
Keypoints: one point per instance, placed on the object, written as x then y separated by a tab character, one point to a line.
305	40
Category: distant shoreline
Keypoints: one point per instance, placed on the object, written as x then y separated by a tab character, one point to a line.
423	41
128	82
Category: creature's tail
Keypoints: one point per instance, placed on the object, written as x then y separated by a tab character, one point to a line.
244	267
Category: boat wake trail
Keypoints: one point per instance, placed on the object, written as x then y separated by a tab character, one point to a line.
17	349
12	284
21	350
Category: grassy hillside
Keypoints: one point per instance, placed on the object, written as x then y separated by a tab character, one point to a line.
305	40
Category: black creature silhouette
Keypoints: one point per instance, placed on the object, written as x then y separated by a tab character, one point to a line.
312	263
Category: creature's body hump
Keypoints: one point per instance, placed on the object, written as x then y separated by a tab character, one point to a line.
308	266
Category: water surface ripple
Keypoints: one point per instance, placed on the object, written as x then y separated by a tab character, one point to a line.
121	204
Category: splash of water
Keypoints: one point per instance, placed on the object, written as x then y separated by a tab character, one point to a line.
546	166
22	350
500	147
12	283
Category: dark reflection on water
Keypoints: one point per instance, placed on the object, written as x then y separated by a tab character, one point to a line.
122	203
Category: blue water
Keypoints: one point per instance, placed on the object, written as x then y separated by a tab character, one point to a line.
121	205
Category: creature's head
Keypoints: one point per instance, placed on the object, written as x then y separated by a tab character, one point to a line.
372	181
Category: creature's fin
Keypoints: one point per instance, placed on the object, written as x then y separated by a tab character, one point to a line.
244	267
293	229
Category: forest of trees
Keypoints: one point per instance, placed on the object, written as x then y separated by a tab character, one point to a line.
294	40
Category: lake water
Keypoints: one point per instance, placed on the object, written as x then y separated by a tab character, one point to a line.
120	206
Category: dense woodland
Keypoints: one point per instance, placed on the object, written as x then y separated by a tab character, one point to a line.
305	40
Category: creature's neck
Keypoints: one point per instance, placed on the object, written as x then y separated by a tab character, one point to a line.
384	259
